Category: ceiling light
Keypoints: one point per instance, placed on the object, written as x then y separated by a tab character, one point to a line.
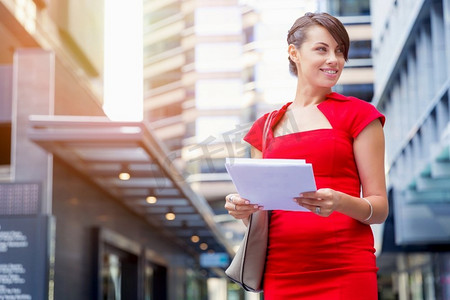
195	238
124	173
203	246
170	215
151	199
124	176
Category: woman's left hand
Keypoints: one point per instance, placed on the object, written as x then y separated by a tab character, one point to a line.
321	202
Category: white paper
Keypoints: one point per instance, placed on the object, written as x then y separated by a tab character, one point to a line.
272	183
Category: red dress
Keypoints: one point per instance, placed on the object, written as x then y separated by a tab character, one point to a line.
314	257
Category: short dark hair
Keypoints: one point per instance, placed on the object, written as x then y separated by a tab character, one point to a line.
297	33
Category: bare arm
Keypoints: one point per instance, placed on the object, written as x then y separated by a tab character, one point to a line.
368	148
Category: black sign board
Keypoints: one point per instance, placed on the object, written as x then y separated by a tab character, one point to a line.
26	256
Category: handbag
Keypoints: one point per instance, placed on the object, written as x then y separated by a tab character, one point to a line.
247	266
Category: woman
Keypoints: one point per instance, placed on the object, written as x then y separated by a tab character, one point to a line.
326	252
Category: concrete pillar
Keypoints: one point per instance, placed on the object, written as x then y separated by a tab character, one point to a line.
446	11
217	288
5	93
403	277
33	94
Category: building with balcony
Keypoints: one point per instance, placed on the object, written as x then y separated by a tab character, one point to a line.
70	227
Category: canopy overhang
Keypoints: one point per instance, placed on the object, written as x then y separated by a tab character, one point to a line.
100	149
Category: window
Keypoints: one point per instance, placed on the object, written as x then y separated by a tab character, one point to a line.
161	46
211	20
219	94
163	79
5	114
162	13
167	111
360	49
249	34
361	91
5	140
218	57
211	129
155	281
349	7
117	266
119	274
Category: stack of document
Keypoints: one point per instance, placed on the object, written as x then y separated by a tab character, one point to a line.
271	183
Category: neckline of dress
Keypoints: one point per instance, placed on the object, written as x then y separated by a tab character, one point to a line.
283	111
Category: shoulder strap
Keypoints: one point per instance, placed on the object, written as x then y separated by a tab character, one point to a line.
267	129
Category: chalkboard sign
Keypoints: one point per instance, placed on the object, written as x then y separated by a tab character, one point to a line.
26	257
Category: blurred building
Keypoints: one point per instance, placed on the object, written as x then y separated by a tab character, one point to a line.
212	67
70	228
357	78
411	52
193	85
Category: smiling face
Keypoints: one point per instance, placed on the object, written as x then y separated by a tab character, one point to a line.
319	60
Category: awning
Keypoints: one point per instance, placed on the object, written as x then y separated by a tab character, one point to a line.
101	149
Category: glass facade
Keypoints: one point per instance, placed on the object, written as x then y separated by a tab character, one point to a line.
411	59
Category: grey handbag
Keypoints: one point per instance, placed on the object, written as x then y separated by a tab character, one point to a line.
247	266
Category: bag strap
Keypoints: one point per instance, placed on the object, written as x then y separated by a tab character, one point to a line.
266	129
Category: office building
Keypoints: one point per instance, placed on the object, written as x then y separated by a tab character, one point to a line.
411	53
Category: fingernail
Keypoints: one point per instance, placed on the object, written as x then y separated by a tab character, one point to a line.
255	206
300	195
247	202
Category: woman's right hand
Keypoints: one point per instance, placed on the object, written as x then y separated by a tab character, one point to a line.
240	208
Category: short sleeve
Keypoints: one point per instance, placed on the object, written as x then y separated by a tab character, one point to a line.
362	114
254	135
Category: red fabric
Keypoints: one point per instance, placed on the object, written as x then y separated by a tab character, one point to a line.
312	257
